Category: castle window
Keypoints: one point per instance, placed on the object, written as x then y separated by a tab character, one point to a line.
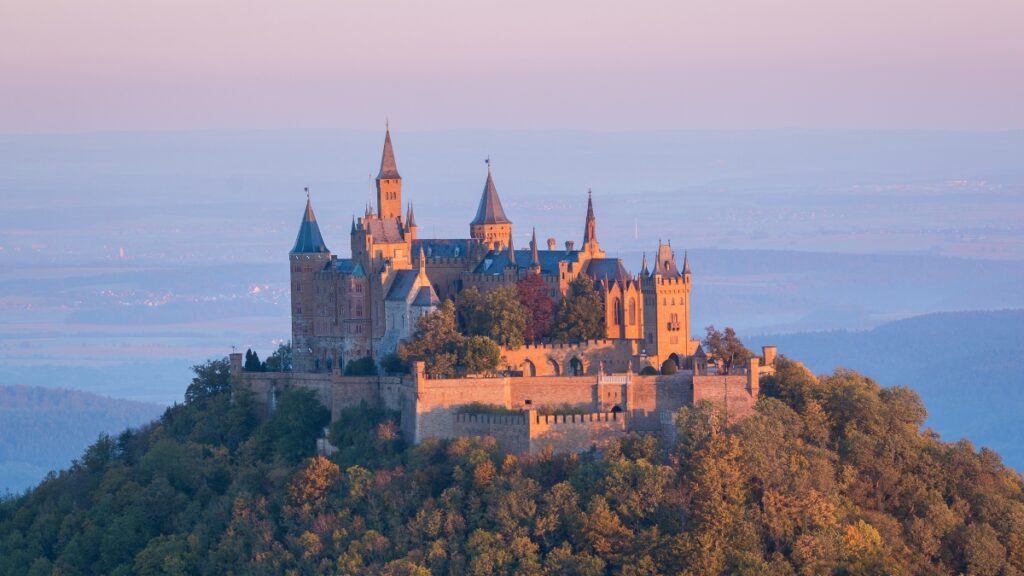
632	312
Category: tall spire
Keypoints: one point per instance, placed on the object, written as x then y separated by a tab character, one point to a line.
309	240
410	219
534	255
353	223
511	253
590	242
388	166
423	261
643	266
686	262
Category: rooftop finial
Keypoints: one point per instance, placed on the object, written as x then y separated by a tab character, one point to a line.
488	162
307	192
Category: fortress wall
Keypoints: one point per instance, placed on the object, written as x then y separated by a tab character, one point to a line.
574	432
334	391
512	431
731	392
555	359
651	396
437	400
576	391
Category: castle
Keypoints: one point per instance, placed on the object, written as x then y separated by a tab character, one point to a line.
346	309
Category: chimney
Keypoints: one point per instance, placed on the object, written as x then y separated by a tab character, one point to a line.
551	244
569	245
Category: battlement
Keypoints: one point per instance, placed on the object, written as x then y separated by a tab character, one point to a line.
529	431
582	419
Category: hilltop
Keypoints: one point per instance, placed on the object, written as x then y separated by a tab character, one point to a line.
830	475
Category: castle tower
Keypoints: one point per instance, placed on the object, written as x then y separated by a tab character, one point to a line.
590	244
667	307
389	183
309	256
491	226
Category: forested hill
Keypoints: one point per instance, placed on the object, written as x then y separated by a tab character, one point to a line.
830	476
44	429
967	366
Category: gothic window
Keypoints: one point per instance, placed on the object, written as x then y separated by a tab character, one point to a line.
632	312
617	305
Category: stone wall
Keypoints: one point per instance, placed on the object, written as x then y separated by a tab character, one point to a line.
556	359
574	432
512	431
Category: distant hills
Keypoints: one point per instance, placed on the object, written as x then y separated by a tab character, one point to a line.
44	429
968	368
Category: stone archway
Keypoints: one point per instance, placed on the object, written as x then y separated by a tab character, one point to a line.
576	367
529	369
553	367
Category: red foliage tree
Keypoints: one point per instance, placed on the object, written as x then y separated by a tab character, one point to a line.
533	294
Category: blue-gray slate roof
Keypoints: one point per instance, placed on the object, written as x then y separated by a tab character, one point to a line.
496	261
442	248
309	240
490	211
610	269
426	297
402	285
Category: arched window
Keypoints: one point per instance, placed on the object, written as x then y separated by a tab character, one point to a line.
632	312
617	304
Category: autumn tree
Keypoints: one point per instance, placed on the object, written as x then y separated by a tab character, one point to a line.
533	295
727	347
497	314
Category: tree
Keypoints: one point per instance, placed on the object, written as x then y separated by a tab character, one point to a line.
212	378
479	354
364	366
280	360
393	364
252	362
533	295
436	341
293	428
727	347
581	315
669	367
497	314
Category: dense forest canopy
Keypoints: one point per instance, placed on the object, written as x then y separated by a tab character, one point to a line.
832	475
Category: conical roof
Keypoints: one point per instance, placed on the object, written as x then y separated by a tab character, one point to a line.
590	227
309	240
490	210
388	167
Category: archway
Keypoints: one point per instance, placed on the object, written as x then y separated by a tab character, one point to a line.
616	409
575	366
529	369
553	366
675	358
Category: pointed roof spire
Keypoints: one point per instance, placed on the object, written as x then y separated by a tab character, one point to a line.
511	253
309	240
423	260
388	166
490	210
643	266
590	229
410	219
686	262
534	255
353	223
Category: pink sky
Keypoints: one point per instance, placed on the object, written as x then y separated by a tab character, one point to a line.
72	65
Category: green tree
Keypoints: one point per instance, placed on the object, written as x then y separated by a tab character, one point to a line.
281	359
479	354
581	315
727	347
535	298
436	341
292	430
364	366
393	364
212	378
497	314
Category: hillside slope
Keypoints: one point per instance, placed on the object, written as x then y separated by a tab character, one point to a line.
830	476
968	368
44	429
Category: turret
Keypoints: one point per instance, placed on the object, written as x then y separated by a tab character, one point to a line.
534	255
308	256
389	183
490	225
